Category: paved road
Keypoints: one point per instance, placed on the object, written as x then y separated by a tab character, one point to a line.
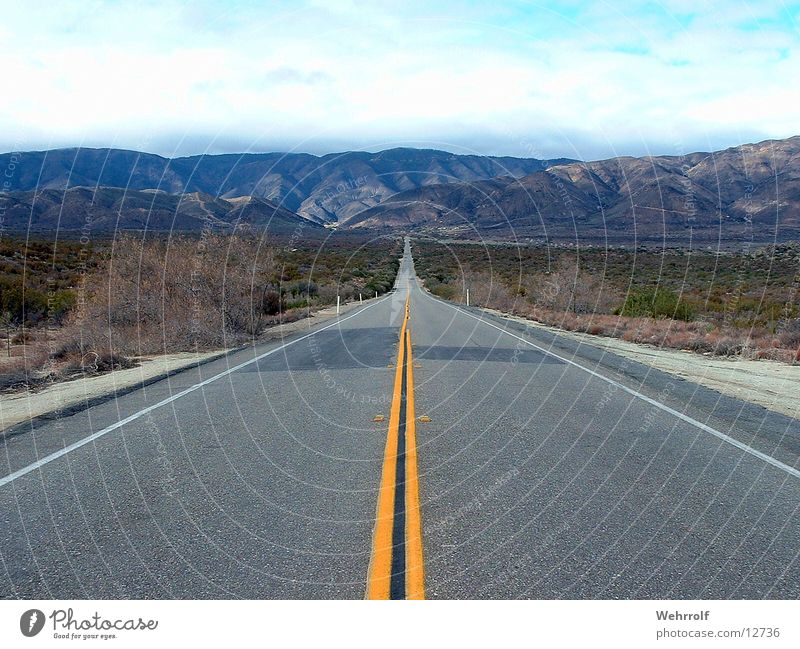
547	470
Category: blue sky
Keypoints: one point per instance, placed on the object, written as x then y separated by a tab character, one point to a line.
541	79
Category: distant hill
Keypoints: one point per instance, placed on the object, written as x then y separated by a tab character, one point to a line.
107	209
326	188
749	192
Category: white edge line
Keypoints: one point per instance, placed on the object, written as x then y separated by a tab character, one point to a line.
82	442
725	438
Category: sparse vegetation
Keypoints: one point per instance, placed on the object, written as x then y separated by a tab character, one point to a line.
144	296
732	304
655	303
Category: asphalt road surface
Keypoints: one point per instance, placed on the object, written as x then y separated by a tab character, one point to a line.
498	461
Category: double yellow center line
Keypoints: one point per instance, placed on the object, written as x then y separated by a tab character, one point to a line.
396	569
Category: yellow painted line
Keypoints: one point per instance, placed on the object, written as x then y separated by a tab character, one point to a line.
380	569
415	567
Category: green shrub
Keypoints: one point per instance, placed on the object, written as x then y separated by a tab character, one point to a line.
61	303
655	303
446	291
22	304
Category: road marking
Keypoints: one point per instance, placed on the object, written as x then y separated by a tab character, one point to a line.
380	569
689	420
415	566
86	440
396	567
397	582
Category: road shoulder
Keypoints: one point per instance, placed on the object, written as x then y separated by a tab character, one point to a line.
769	384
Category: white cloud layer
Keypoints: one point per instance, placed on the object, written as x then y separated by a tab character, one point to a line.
530	78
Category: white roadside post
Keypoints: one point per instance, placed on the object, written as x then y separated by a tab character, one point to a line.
376	293
337	304
360	299
467	297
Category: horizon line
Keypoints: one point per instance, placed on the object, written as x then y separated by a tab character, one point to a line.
397	148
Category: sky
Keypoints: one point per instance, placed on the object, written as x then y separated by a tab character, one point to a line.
574	79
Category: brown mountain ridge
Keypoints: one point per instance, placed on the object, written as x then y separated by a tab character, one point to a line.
106	209
750	192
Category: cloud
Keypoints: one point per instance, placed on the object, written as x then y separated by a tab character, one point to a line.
581	79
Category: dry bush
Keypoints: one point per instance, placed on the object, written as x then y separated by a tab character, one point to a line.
485	291
22	337
568	288
31	368
790	335
165	296
673	334
773	354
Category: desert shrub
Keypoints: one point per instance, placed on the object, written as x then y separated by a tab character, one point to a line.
22	304
271	301
728	347
790	334
181	294
59	304
487	291
656	303
377	285
300	288
445	291
27	370
700	344
383	280
782	355
568	288
328	293
295	304
21	337
91	362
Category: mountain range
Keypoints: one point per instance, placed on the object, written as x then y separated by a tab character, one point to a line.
324	189
745	193
107	209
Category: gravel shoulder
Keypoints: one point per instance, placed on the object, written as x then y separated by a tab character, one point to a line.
67	397
770	384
